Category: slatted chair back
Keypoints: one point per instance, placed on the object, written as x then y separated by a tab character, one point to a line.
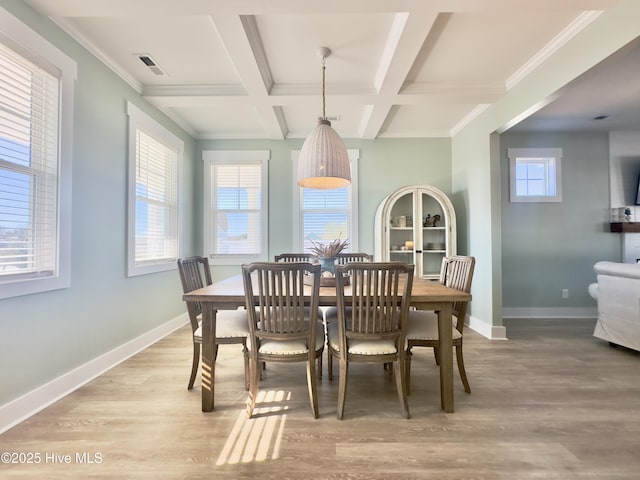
344	258
381	293
194	274
277	299
457	272
295	257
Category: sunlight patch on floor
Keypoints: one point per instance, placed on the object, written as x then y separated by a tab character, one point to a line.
258	438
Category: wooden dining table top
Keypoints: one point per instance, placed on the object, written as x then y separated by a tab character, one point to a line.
229	293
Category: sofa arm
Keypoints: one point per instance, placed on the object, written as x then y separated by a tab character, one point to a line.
628	270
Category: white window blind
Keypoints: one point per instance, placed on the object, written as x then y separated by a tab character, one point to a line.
326	215
154	195
156	201
29	113
237	201
236	206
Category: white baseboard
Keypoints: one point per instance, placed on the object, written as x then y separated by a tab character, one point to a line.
29	404
499	332
492	332
495	332
551	312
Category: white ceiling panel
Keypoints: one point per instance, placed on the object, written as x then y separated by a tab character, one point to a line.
423	121
291	43
219	123
345	120
194	58
487	47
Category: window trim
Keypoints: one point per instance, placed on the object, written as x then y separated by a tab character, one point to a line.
138	120
40	51
518	153
235	157
298	235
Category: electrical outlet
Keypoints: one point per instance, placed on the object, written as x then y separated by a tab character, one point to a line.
565	293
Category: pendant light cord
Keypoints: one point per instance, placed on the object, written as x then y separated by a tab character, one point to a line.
324	115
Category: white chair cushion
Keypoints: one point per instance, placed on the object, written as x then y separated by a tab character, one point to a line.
229	324
360	347
423	325
289	347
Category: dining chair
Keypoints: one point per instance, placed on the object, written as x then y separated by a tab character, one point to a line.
281	327
422	326
371	325
231	325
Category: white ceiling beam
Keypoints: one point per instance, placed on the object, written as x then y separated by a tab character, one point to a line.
234	95
239	36
406	37
445	96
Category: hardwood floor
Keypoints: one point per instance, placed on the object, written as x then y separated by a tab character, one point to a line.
552	402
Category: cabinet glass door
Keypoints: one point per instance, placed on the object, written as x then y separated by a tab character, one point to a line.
433	236
401	228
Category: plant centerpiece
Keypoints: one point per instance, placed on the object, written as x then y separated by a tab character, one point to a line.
327	253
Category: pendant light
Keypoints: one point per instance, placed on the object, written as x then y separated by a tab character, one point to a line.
323	162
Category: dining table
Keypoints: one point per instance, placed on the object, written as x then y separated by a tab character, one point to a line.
228	294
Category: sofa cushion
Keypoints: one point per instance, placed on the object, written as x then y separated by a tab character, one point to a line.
627	270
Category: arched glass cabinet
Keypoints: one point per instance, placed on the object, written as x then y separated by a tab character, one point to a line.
416	224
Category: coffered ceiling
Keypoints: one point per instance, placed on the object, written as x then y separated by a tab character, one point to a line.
249	68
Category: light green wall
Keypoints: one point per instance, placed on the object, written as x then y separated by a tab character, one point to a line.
384	165
473	179
43	336
475	148
556	244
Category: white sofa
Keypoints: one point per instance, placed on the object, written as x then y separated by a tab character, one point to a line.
618	294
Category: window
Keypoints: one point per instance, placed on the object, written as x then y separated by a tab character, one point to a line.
36	118
535	174
236	206
325	215
155	158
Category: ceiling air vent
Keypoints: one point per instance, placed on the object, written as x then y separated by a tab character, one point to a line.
151	64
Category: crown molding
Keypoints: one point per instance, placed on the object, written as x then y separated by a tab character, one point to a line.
575	27
99	54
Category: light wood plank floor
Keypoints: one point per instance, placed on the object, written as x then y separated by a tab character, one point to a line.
552	402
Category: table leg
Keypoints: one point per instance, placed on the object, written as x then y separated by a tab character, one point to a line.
446	358
208	356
